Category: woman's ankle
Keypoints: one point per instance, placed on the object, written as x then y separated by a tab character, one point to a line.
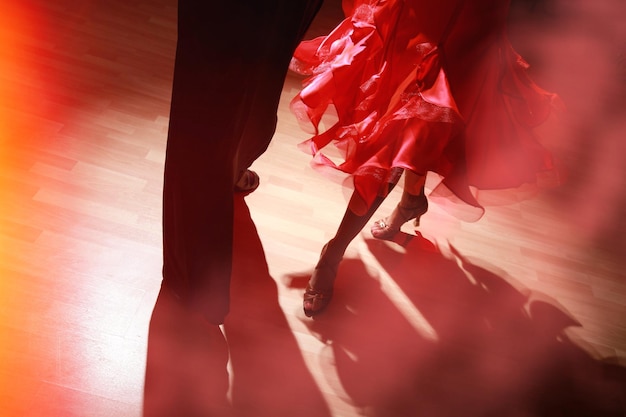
410	201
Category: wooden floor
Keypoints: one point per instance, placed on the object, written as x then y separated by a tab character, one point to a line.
520	314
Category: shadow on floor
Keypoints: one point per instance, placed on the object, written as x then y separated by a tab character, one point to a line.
457	339
187	371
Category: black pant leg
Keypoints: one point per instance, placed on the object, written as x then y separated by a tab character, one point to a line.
231	60
205	126
283	32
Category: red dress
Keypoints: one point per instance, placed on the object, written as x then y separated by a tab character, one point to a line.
429	86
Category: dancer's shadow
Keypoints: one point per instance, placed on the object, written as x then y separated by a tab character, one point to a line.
188	373
495	349
270	377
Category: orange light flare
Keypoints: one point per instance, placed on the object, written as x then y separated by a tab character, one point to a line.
23	90
26	116
29	117
13	23
57	67
14	28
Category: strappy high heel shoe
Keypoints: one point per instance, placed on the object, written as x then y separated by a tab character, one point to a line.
387	228
317	299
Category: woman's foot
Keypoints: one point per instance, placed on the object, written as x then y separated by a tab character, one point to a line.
388	227
316	301
319	290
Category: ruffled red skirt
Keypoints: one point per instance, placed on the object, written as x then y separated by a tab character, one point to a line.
429	88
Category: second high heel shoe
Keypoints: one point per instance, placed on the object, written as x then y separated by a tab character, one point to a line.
317	296
387	228
316	301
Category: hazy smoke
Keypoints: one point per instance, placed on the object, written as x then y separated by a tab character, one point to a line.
577	49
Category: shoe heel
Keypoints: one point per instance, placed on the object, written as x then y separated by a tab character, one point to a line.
416	222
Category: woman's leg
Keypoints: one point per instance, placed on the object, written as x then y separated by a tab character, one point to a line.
413	184
320	287
413	204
